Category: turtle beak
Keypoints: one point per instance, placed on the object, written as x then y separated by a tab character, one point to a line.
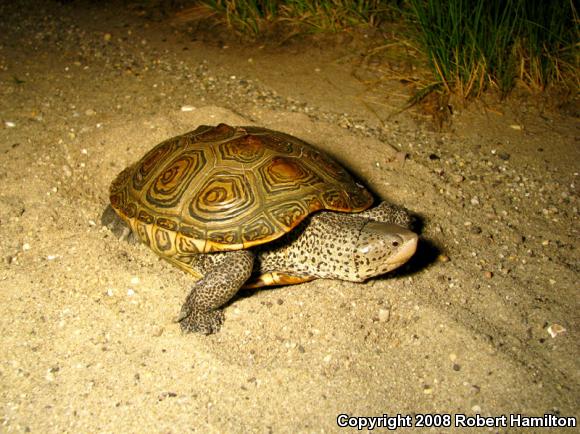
407	248
382	247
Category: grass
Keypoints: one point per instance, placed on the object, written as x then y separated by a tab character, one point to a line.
471	45
253	17
248	17
548	47
476	44
333	15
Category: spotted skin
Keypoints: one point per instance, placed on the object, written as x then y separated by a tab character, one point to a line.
249	207
388	213
326	245
224	274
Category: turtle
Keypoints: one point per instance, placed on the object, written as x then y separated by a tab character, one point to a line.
247	207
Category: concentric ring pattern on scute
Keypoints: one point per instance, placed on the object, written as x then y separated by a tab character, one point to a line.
227	188
174	179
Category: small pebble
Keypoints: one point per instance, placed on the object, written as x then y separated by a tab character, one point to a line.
187	108
400	157
134	280
443	258
384	315
474	200
9	124
476	409
556	329
157	331
488	274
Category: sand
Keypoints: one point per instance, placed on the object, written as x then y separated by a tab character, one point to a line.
87	333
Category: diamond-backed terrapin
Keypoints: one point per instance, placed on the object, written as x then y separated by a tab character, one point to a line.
249	207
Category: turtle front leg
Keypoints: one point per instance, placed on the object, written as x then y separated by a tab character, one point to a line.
385	212
224	274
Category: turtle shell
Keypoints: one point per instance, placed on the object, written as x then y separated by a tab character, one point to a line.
228	188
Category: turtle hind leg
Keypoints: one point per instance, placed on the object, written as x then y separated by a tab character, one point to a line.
224	274
117	226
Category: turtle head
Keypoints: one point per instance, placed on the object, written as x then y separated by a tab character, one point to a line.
382	247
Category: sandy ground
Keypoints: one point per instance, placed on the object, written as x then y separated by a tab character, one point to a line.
88	342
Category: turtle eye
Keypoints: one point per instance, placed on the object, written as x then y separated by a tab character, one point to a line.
395	244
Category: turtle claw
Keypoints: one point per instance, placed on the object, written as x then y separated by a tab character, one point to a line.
194	317
192	320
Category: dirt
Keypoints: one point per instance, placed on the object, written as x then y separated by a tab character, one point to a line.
88	338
